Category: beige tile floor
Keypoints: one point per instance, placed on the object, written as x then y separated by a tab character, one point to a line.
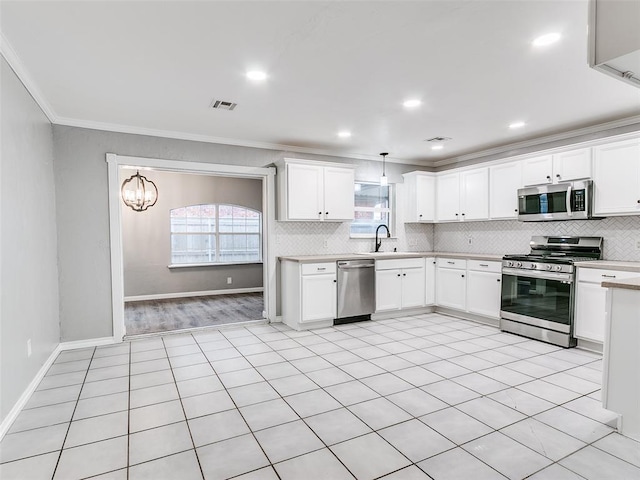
418	397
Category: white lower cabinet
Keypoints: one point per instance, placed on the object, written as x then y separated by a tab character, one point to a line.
484	288
590	302
309	294
452	283
472	286
400	283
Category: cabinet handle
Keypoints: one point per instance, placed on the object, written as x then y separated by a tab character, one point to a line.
557	175
456	214
326	213
420	215
484	264
450	263
638	201
609	276
321	268
319	213
463	214
398	274
516	210
462	276
404	274
548	178
498	280
336	281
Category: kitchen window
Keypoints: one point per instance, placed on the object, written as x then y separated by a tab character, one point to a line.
373	207
215	234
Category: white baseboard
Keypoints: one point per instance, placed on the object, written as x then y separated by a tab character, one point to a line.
162	296
26	395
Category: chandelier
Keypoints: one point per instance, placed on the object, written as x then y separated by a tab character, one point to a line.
139	193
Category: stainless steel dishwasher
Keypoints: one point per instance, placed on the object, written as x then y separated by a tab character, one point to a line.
356	290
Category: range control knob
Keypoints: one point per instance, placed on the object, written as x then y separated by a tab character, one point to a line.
533	266
549	267
509	263
558	267
519	264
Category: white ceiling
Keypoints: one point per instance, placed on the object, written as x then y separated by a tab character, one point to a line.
155	67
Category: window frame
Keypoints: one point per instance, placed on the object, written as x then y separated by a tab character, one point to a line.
391	210
216	234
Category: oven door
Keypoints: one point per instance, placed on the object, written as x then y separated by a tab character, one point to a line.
543	299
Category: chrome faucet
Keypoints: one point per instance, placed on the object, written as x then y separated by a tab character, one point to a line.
379	242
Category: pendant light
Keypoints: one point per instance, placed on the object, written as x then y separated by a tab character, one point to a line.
139	193
384	181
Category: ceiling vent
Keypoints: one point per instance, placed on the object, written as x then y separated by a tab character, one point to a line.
438	139
222	105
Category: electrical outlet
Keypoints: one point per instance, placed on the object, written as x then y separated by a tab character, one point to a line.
28	348
469	241
229	280
325	244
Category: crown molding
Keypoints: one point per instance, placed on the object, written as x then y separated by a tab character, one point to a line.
541	141
23	75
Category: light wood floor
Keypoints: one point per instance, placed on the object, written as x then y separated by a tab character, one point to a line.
151	316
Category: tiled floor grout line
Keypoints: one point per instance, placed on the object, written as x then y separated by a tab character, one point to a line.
186	419
71	419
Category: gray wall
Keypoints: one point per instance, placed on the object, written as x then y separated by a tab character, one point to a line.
83	215
147	240
28	266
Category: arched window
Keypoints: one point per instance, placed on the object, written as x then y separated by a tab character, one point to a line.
215	233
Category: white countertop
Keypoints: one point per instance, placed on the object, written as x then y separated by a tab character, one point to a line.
386	255
610	265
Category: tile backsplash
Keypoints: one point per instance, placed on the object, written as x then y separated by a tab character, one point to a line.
496	237
500	237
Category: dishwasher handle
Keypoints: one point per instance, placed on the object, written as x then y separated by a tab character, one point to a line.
354	267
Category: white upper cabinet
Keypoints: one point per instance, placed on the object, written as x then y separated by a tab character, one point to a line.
616	178
474	194
557	168
504	182
421	197
315	191
463	196
448	197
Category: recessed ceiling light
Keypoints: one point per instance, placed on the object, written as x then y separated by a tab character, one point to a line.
437	147
256	75
413	103
547	39
344	134
515	125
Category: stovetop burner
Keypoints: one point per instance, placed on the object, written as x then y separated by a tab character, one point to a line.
561	250
564	259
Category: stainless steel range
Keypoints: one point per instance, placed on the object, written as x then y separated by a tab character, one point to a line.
538	289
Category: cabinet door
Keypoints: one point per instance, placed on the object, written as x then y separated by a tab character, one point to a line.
388	290
590	315
616	178
304	192
319	301
573	165
474	189
538	170
413	289
504	182
425	198
448	197
430	281
451	289
483	293
338	193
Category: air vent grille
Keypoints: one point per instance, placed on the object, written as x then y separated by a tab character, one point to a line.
223	105
438	139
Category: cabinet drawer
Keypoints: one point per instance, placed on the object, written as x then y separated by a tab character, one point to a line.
318	268
483	266
597	275
394	263
456	263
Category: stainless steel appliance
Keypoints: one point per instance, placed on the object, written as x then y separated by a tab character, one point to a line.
538	289
563	201
356	290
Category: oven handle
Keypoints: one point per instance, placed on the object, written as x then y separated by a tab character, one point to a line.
568	200
561	277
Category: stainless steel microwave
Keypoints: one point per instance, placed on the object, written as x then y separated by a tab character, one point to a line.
562	201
